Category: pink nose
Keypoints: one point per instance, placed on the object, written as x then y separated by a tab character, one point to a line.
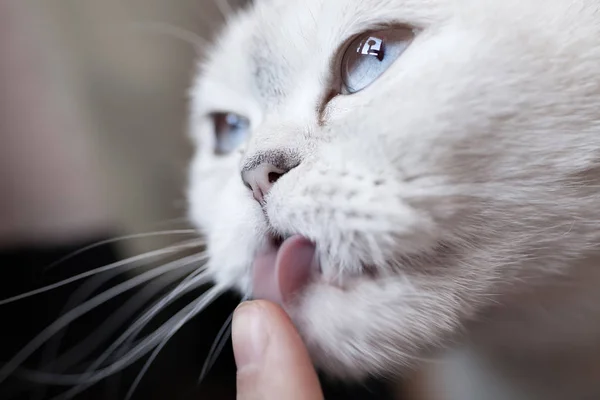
261	179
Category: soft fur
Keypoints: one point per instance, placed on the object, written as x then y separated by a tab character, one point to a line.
466	178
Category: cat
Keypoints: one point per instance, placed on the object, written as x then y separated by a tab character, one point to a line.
413	181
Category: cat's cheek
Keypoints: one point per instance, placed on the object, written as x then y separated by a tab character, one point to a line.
379	327
211	180
207	198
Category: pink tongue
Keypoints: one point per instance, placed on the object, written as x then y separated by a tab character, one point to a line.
279	273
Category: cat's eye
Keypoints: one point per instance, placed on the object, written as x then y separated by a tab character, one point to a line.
370	54
231	130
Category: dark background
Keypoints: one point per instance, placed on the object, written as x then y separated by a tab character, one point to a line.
175	372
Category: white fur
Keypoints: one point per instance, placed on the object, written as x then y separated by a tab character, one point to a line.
467	174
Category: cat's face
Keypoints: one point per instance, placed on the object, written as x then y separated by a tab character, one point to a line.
451	166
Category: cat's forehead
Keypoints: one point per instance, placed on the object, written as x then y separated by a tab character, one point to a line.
289	39
281	43
277	47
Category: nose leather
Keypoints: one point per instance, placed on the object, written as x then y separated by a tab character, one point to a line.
261	179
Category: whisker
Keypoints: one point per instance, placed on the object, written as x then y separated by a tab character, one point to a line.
133	329
210	296
193	281
79	296
155	353
131	260
50	352
84	308
218	345
83	292
147	364
164	28
125	312
167	330
76	354
216	348
151	359
118	239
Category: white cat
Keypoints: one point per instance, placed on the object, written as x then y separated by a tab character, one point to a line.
410	176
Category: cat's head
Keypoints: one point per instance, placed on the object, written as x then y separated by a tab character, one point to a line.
431	155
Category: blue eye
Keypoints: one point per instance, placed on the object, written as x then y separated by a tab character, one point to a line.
231	130
371	54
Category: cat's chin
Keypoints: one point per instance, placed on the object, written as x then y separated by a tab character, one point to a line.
364	330
287	271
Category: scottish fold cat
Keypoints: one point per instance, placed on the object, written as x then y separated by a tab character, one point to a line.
410	177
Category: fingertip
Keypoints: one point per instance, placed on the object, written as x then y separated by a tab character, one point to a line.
249	334
272	360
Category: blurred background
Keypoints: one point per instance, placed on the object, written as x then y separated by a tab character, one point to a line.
93	146
120	76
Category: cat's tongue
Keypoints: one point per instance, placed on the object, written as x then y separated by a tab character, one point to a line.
279	272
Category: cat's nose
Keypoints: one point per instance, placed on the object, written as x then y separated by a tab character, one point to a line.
261	179
261	174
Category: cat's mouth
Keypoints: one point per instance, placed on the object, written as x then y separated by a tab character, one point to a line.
283	267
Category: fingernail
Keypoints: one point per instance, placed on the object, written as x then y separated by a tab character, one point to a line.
249	334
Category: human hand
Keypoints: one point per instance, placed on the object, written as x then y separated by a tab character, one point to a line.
272	362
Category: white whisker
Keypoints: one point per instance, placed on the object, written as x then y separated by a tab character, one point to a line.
208	297
79	296
193	281
146	366
156	338
84	308
218	345
121	238
125	312
216	348
198	278
164	342
83	292
131	260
